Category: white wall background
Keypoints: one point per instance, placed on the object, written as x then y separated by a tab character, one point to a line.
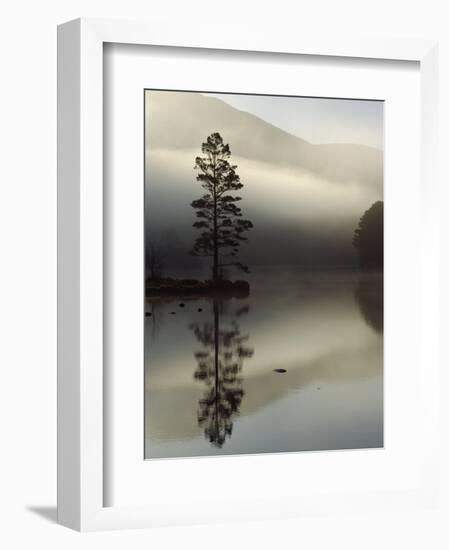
28	269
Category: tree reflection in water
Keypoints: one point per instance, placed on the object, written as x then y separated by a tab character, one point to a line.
369	295
220	364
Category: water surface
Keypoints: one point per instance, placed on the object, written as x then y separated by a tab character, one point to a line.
295	366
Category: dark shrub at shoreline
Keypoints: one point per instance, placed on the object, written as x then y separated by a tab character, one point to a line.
180	287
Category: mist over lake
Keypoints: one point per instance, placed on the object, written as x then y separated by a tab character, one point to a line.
307	195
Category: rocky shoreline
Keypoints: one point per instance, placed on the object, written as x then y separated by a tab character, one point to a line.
188	287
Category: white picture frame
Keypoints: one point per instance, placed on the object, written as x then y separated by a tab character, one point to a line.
81	406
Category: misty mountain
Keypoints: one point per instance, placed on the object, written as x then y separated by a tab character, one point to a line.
184	120
304	199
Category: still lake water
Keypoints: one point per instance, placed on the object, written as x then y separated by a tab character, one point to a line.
210	382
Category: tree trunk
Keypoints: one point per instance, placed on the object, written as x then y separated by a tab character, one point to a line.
215	264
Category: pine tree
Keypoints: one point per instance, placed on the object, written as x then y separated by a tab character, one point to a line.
219	217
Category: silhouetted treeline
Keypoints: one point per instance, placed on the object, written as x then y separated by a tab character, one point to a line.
368	238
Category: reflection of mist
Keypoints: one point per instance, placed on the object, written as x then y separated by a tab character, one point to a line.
369	295
220	364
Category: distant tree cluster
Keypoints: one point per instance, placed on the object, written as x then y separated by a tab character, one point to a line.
368	238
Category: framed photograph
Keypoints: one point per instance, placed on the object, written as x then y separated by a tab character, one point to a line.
263	274
247	257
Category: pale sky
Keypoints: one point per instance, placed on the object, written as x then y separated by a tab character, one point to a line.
317	120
